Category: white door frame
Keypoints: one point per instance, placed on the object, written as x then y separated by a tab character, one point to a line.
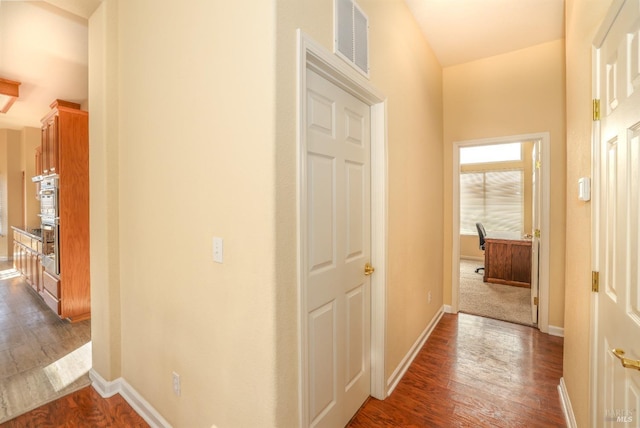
543	291
313	56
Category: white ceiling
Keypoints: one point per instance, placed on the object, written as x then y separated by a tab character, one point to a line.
460	31
44	48
43	44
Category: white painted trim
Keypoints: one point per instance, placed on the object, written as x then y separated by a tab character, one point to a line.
315	57
567	409
448	309
543	291
104	387
404	365
120	386
472	258
556	331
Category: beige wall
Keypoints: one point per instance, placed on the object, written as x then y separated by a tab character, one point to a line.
104	190
10	189
521	92
405	69
192	154
30	139
177	136
583	18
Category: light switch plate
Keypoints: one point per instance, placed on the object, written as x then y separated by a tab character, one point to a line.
217	249
584	189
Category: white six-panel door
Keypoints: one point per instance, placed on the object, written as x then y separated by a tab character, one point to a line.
338	193
618	230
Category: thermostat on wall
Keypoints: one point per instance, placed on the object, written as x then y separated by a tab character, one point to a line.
584	189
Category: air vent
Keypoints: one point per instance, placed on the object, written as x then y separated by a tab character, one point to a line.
352	35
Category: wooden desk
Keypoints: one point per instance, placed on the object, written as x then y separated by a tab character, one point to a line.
507	261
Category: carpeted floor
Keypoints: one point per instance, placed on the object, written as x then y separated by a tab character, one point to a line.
503	302
41	357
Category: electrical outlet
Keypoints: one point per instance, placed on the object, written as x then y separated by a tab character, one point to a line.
429	297
176	384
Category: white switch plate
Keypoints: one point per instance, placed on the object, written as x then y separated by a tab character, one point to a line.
217	249
584	189
177	389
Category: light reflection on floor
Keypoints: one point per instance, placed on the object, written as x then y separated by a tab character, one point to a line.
71	367
9	273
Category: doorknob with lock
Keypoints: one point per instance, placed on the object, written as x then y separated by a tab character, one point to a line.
368	269
627	363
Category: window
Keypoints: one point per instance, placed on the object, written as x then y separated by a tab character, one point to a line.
491	153
494	198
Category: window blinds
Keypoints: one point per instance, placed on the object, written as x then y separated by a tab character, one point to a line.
494	198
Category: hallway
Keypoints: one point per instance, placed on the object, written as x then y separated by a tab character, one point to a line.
476	372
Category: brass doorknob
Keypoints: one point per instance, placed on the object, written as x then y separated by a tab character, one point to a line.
368	269
627	363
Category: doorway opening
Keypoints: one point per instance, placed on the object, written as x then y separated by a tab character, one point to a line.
502	185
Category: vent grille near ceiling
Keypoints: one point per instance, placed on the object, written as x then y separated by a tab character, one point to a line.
352	35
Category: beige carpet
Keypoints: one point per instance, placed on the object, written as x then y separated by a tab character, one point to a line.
503	302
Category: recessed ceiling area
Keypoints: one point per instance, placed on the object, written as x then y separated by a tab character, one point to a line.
460	31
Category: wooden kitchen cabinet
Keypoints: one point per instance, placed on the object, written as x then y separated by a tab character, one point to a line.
50	145
507	261
27	252
65	152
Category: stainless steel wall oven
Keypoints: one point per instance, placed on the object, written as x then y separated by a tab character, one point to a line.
50	224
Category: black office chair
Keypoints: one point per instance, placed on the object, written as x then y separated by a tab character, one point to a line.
481	235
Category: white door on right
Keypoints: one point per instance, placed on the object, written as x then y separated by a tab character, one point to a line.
617	231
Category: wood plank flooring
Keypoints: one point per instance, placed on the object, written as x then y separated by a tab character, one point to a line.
472	372
83	408
475	372
41	356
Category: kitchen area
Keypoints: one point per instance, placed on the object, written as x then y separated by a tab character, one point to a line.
54	257
45	291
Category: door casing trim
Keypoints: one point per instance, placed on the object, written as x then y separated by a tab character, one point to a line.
312	55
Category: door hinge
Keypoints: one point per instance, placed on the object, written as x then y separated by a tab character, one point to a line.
596	109
537	233
538	164
595	281
535	301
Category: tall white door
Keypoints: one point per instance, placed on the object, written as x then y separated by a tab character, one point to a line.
618	225
338	237
536	219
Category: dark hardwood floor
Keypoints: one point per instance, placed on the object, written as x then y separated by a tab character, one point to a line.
472	372
475	372
83	408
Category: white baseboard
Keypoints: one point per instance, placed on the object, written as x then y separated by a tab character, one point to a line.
120	386
566	405
472	258
402	368
448	309
556	331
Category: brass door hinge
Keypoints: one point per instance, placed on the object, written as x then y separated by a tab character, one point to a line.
535	301
538	164
595	281
537	233
596	110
